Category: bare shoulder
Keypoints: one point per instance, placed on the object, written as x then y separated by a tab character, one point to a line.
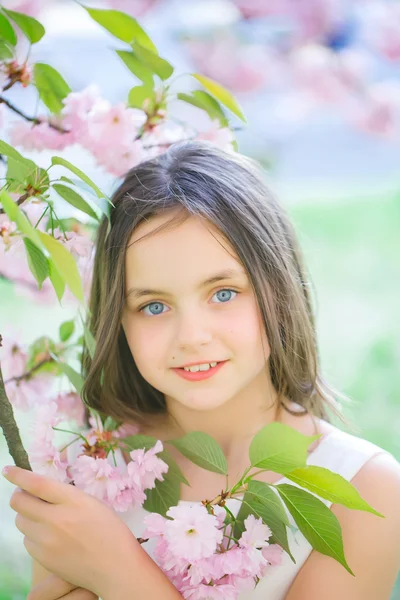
371	543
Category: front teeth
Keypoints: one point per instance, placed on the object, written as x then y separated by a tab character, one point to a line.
203	367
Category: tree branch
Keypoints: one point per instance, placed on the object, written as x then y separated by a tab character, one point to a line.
10	428
34	120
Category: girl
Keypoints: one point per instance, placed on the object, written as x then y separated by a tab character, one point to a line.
201	265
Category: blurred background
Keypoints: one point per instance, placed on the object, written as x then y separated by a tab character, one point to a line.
319	83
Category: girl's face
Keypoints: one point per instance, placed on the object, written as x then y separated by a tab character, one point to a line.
186	321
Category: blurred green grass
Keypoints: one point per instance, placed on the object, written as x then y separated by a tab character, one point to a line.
352	250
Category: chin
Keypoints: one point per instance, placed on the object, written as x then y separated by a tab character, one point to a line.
204	403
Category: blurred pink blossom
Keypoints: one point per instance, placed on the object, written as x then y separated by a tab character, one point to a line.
136	8
43	455
310	19
38	137
71	406
13	358
80	246
239	67
219	136
29	7
382	28
377	112
27	393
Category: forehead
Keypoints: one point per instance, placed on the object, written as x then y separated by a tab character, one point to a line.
193	246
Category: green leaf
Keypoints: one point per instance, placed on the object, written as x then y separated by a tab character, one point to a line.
75	199
57	160
29	26
64	263
17	175
40	347
75	378
122	26
66	330
203	450
15	214
139	442
139	94
330	486
8	150
158	65
110	424
37	262
164	495
222	94
89	341
7	32
316	521
5	51
137	67
261	501
56	279
206	102
279	448
51	86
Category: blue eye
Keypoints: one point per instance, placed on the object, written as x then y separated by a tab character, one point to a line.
160	304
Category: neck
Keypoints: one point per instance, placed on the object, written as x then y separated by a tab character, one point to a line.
232	424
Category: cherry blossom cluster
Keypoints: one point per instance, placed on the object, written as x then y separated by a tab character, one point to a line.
118	136
92	470
194	548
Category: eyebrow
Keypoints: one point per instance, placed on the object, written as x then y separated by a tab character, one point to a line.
222	275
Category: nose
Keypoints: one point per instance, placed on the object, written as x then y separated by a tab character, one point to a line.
193	329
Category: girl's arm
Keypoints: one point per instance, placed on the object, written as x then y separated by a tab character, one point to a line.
371	543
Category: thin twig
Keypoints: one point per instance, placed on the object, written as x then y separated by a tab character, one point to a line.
31	119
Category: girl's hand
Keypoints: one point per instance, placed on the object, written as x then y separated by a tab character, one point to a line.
69	532
53	588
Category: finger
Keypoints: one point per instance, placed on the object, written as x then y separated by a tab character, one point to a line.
31	529
30	506
51	588
40	486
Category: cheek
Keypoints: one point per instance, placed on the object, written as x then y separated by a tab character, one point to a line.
146	344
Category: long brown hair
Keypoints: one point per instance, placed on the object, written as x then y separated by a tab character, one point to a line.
230	191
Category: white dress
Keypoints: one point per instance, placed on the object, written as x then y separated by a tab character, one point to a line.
338	451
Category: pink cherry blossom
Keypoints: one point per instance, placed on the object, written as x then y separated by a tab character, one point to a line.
96	477
112	126
193	533
146	467
206	592
274	554
256	533
155	525
77	107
